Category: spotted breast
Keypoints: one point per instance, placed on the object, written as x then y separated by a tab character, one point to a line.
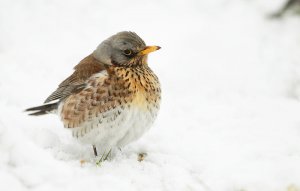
117	106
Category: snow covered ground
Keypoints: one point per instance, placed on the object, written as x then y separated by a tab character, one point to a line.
230	112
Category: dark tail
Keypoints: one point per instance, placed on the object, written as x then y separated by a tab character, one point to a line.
43	109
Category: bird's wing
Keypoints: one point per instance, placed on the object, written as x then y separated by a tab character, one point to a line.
76	82
101	102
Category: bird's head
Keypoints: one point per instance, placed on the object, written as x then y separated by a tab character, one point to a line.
123	49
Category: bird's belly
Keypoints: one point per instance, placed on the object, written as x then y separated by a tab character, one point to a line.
140	122
116	129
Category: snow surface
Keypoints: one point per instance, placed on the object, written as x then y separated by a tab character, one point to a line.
230	107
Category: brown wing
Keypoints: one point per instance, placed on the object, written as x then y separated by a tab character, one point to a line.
76	82
100	102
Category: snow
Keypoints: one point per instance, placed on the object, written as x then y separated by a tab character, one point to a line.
230	107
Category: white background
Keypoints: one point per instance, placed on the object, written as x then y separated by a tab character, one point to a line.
230	114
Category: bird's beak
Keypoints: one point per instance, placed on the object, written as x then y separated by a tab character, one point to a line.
148	49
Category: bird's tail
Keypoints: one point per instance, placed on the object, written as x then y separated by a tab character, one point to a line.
43	109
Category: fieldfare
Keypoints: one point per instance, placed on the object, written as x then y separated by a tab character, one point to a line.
112	98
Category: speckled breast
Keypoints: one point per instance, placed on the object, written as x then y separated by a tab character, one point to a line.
117	107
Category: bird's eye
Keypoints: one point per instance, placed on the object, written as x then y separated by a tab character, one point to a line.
127	52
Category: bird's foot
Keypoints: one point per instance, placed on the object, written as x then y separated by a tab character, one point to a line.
141	156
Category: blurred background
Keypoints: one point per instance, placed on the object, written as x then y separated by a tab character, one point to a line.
230	75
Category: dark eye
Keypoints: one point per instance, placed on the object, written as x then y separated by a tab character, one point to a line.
127	52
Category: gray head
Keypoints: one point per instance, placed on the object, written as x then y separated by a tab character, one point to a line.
123	49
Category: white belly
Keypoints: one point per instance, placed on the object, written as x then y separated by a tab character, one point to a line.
113	129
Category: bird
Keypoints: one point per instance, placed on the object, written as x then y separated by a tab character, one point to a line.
112	98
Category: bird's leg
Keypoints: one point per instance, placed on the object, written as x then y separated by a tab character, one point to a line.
95	151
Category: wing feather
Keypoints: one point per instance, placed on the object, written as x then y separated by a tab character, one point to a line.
76	82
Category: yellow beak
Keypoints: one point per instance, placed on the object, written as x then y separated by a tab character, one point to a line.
149	49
